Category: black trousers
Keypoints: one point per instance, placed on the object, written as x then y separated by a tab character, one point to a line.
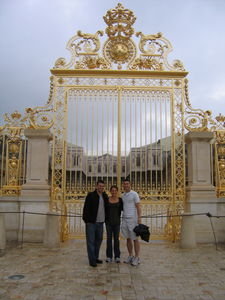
113	242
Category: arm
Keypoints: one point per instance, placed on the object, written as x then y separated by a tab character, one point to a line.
121	204
85	216
138	207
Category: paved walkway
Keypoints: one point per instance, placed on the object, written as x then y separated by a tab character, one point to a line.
166	272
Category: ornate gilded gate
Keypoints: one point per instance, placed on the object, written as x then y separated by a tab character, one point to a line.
117	109
119	113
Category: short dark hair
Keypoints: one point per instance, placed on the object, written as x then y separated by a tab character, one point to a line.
114	187
100	181
126	179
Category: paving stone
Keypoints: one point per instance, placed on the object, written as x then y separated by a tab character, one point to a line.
166	272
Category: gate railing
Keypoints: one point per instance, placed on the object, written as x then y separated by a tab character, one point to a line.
13	164
156	215
220	162
13	153
13	146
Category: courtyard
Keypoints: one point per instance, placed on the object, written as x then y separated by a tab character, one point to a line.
166	272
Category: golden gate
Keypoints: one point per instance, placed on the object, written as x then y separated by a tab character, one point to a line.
119	113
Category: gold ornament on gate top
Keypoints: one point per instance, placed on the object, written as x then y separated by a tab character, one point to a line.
119	50
119	21
199	120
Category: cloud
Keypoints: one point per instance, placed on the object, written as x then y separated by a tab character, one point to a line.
218	93
34	34
71	9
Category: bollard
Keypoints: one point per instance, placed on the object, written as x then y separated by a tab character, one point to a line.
2	235
51	235
188	239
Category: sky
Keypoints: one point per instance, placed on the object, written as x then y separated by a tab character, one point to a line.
34	33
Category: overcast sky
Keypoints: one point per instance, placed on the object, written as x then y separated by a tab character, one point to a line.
34	34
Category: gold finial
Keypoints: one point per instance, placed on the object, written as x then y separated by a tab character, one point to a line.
16	115
119	21
220	118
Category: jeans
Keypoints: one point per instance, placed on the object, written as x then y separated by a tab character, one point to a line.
94	236
113	232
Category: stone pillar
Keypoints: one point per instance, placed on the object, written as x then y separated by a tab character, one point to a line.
37	162
199	160
35	192
52	235
201	194
2	235
188	239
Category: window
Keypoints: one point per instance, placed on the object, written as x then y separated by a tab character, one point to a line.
138	161
76	160
155	159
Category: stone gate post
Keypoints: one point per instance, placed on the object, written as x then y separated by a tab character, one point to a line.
2	235
201	194
36	191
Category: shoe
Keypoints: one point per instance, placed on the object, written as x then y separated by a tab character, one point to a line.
117	260
93	265
135	261
99	261
128	260
108	260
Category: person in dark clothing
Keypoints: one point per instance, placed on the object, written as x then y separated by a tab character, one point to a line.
114	206
94	217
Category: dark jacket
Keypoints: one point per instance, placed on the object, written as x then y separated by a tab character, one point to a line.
91	204
142	231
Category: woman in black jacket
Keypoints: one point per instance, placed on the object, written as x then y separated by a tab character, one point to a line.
114	206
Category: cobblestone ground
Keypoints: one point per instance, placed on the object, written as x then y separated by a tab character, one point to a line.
166	272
